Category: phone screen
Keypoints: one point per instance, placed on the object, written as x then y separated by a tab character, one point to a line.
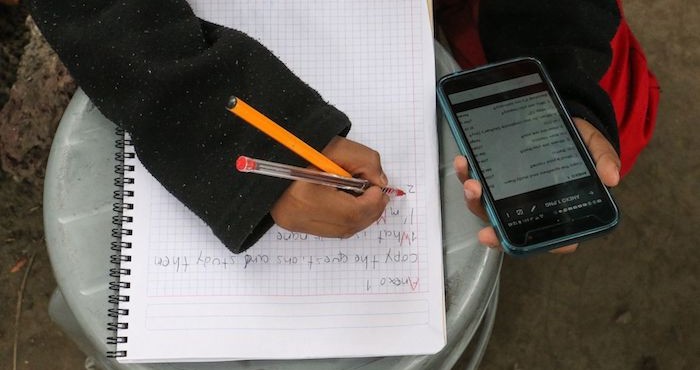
535	169
529	140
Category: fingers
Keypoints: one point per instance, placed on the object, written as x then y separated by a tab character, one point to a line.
344	215
487	236
359	160
328	212
370	206
604	155
472	196
461	167
565	250
472	188
607	166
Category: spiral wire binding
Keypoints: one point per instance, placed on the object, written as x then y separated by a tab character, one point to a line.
119	246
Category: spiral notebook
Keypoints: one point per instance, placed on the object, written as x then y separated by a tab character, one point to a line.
182	296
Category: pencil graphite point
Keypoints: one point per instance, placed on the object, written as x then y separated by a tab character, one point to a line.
232	101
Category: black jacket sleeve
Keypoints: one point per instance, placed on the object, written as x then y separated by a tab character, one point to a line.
155	69
571	37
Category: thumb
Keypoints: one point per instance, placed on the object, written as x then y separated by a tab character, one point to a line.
604	155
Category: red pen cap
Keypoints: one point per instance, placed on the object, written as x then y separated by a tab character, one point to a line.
245	164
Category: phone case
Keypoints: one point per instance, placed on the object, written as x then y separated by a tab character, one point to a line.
488	202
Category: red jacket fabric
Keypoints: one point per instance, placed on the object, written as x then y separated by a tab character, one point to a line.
604	48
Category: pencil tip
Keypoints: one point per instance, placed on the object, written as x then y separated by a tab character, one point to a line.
232	101
400	193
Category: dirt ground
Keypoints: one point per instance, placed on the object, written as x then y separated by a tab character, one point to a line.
629	300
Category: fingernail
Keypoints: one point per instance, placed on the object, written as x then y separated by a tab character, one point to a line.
469	194
616	178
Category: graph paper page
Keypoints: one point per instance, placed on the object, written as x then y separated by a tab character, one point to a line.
296	295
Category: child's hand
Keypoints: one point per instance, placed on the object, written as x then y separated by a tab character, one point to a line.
326	211
603	154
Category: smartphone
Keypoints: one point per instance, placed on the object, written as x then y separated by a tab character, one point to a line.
540	187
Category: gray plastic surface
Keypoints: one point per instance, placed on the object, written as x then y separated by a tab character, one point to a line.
78	221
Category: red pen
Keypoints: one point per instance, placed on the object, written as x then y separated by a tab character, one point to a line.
262	167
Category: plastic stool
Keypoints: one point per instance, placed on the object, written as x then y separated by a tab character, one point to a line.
78	213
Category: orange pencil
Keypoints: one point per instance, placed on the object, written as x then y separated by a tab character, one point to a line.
284	137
